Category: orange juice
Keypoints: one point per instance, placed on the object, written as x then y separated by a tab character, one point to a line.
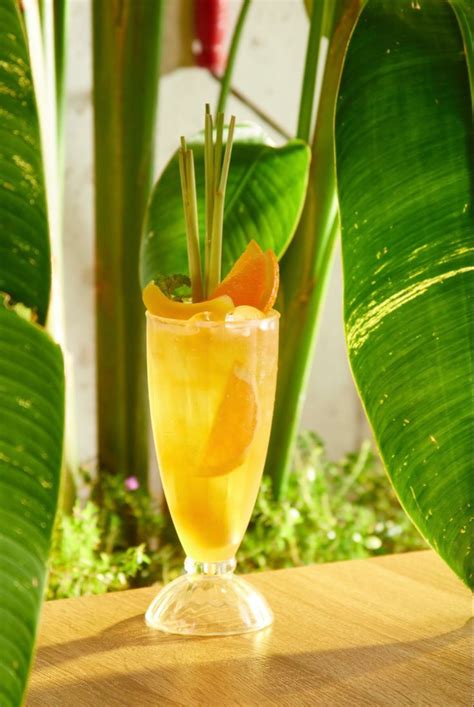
211	389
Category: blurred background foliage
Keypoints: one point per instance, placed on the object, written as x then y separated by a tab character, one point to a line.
331	511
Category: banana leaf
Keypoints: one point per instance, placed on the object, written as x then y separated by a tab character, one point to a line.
31	435
25	270
404	147
264	198
31	367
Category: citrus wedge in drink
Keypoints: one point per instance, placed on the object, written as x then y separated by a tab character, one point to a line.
233	428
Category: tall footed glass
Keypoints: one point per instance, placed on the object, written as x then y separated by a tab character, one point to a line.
211	389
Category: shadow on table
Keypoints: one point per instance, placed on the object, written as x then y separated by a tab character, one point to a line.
277	676
129	632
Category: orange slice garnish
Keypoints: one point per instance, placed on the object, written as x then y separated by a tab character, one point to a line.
158	303
253	280
233	429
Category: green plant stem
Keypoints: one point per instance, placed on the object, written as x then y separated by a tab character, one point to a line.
218	150
216	243
209	182
220	179
60	20
190	199
60	14
298	335
227	155
42	13
182	174
234	45
309	75
465	17
305	267
126	45
213	274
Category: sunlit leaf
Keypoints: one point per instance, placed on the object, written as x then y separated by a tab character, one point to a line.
264	198
404	165
24	244
31	435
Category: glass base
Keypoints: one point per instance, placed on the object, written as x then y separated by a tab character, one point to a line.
209	600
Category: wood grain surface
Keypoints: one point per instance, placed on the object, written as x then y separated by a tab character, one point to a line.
386	631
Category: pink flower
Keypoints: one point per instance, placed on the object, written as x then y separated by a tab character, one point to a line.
131	483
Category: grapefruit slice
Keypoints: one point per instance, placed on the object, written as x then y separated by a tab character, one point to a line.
159	304
233	428
253	280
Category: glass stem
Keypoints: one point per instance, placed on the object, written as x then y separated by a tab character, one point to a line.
210	569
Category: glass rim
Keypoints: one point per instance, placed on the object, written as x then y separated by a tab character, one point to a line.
271	316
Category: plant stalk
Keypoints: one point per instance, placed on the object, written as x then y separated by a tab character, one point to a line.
310	69
227	156
465	17
306	265
209	182
221	174
188	187
126	46
60	16
213	273
234	45
218	150
216	244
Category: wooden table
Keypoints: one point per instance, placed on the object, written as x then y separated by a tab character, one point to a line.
386	631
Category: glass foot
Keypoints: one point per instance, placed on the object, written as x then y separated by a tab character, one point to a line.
209	600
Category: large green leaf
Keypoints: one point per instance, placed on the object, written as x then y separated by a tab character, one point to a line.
31	367
264	198
404	165
24	245
31	431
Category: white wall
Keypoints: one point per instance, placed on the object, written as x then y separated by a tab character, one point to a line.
268	73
